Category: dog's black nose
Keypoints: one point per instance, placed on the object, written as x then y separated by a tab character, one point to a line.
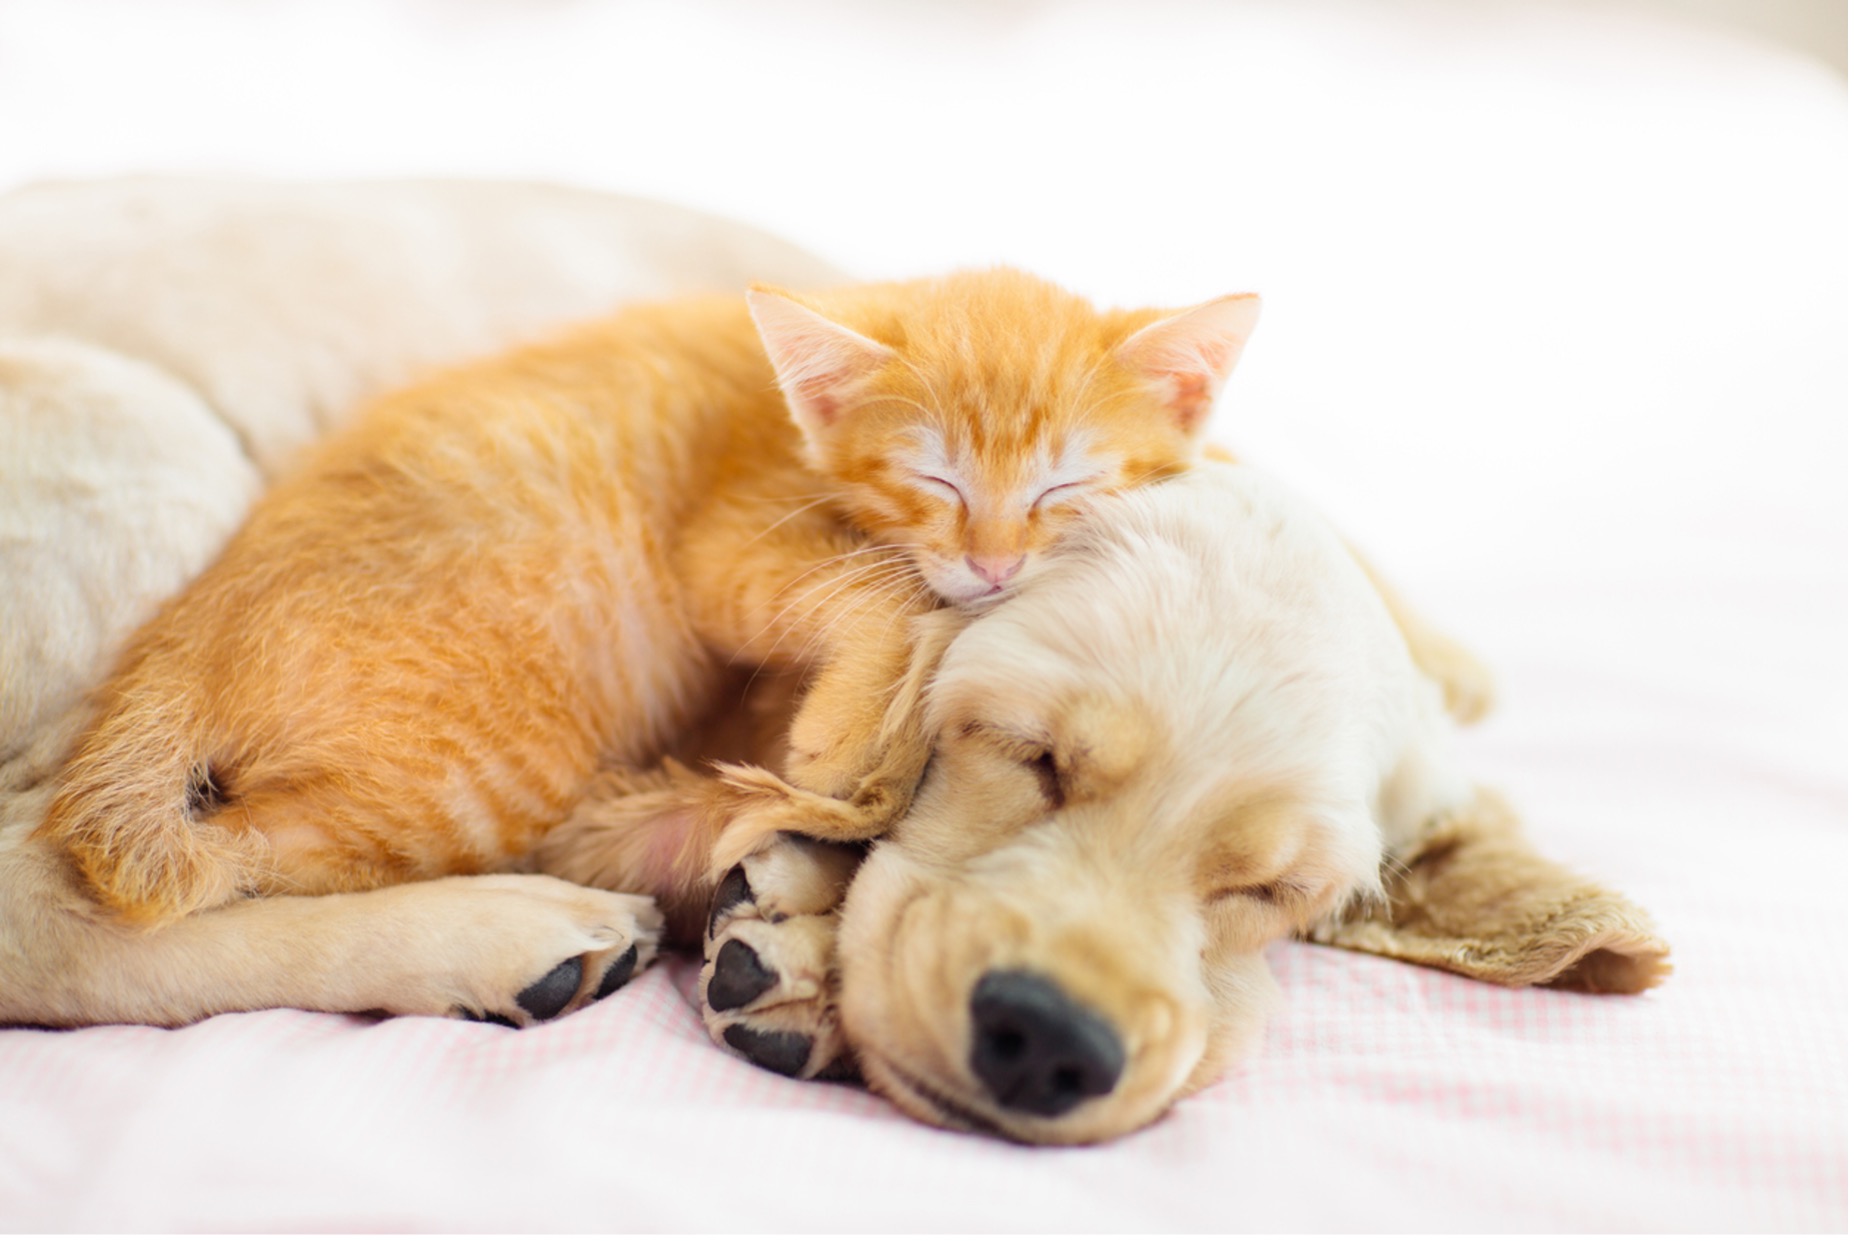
1037	1050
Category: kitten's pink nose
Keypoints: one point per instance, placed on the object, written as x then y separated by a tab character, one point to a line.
995	569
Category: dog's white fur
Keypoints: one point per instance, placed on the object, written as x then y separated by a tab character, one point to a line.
166	345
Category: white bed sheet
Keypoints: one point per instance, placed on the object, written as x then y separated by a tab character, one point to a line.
1556	329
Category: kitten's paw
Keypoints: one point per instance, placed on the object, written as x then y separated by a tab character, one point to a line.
522	949
769	974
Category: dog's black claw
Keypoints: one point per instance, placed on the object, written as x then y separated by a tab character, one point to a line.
740	977
618	973
494	1019
734	890
781	1051
546	998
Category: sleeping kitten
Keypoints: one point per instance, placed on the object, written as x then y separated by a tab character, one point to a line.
423	643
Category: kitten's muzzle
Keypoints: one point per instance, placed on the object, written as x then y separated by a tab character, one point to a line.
1035	1049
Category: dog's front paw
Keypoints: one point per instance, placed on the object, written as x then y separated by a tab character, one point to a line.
769	973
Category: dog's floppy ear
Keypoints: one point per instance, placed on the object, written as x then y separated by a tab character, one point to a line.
1473	897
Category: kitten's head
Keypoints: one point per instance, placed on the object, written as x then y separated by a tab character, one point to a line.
968	419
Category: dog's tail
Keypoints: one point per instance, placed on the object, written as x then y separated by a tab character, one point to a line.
141	810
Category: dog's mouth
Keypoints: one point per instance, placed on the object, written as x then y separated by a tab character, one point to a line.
925	1102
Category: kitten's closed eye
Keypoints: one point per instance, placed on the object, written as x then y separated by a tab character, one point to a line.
1072	490
945	486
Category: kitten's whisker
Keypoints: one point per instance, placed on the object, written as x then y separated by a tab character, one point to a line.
866	591
744	498
856	551
884	562
1154	472
833	584
870	591
826	563
797	512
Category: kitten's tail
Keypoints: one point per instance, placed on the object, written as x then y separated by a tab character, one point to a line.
138	814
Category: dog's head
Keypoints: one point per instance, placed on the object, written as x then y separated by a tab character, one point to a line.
1145	767
1197	731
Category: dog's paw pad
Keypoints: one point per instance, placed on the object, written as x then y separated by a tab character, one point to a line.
740	977
492	1019
733	892
547	998
780	1051
618	973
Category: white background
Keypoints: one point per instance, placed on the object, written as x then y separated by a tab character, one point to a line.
1555	326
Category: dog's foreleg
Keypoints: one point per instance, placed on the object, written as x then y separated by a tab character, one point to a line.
769	958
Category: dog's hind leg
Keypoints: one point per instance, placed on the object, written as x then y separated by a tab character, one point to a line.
513	949
1467	683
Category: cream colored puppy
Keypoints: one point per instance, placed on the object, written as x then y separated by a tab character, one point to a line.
1196	731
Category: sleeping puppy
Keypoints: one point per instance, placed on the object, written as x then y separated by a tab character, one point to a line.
1196	731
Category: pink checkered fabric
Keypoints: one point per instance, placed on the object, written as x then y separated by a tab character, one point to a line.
1386	1097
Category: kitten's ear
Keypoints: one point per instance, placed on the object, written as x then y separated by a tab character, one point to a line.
821	365
1187	356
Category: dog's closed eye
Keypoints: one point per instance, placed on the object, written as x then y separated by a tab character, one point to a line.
1277	892
1035	756
1048	776
1266	893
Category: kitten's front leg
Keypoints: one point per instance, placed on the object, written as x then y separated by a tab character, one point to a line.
803	591
857	746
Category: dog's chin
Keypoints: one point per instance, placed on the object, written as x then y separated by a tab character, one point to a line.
936	1106
923	1102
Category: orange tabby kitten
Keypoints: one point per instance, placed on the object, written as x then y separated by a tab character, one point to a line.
423	643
